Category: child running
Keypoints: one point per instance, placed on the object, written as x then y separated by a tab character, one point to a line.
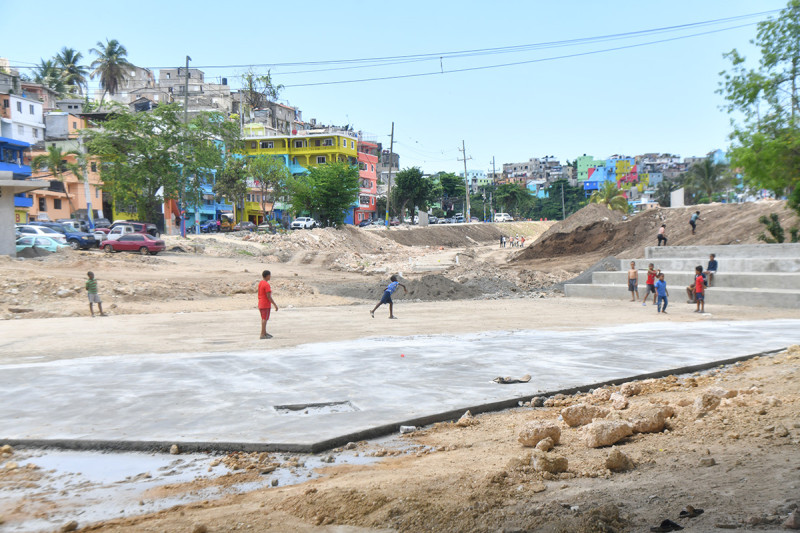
663	293
652	274
633	281
387	296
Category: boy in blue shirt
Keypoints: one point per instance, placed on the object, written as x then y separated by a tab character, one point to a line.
661	291
387	296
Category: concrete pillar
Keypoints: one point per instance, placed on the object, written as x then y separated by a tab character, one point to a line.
8	188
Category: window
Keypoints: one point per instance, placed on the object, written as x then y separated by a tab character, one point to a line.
320	159
35	133
19	107
344	143
267	144
94	166
30	109
253	145
6	103
21	129
327	142
352	144
74	125
56	203
298	144
97	193
42	204
372	168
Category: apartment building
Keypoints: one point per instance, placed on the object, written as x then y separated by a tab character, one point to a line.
21	118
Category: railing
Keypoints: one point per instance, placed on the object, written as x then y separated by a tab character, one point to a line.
265	133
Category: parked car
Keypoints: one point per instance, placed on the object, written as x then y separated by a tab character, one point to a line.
379	222
139	227
459	220
74	224
210	226
474	219
365	223
266	227
303	223
100	223
245	226
39	241
503	217
135	242
226	224
443	220
394	222
44	231
117	231
433	220
75	238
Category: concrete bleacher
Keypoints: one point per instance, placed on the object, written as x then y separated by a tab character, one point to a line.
765	275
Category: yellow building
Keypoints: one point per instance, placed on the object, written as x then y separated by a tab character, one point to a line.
299	150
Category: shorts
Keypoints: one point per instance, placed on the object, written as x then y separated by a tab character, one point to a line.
265	313
94	298
651	289
699	296
386	298
633	285
693	224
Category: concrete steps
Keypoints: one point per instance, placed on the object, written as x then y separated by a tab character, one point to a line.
765	275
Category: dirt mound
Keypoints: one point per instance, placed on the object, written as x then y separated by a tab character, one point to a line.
438	287
457	235
33	252
595	230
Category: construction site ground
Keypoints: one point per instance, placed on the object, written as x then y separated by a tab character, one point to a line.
738	460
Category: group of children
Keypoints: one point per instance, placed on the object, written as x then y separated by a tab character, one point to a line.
518	241
657	286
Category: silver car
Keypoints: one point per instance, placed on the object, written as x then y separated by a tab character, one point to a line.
43	230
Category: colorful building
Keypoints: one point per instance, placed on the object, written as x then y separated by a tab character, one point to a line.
365	207
66	198
14	158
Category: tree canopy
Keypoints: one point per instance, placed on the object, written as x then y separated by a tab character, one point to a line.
143	152
610	196
412	188
766	140
271	175
110	65
328	191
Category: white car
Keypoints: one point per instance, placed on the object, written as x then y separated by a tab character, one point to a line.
45	231
503	217
303	223
115	233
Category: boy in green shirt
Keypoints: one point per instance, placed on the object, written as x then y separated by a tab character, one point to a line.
91	289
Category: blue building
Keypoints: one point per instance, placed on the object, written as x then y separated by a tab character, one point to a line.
12	159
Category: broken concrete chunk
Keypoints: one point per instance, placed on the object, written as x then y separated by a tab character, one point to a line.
631	388
545	444
582	414
706	402
651	419
535	431
605	432
466	420
618	461
547	462
618	401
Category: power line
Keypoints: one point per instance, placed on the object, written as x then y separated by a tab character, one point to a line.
515	63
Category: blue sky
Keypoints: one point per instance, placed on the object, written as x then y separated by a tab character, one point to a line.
654	98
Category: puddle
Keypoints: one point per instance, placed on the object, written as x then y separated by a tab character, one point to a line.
89	487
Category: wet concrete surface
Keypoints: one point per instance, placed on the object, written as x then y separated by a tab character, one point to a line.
317	392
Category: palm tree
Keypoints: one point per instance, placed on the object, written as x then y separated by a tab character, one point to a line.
55	161
48	74
110	65
512	197
72	73
708	177
609	195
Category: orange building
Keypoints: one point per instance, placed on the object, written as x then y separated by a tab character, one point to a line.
66	196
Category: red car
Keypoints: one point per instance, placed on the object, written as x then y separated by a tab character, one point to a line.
135	242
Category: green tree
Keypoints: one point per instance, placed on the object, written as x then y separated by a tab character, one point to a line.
334	190
55	161
610	196
708	178
231	181
48	74
271	175
766	140
110	66
73	73
412	188
144	152
511	198
258	91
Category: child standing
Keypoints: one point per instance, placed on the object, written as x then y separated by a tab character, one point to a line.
662	234
663	294
265	302
633	281
699	289
651	280
387	296
94	298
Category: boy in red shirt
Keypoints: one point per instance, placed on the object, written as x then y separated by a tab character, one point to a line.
699	289
265	302
651	284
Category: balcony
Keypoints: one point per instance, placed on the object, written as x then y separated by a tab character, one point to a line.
22	201
19	171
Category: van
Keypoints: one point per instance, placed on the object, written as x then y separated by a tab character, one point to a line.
503	217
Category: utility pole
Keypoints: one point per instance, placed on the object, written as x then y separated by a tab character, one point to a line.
82	149
563	209
389	183
466	181
182	192
494	177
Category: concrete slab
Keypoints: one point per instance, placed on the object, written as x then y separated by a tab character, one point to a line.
725	251
352	389
755	297
726	279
